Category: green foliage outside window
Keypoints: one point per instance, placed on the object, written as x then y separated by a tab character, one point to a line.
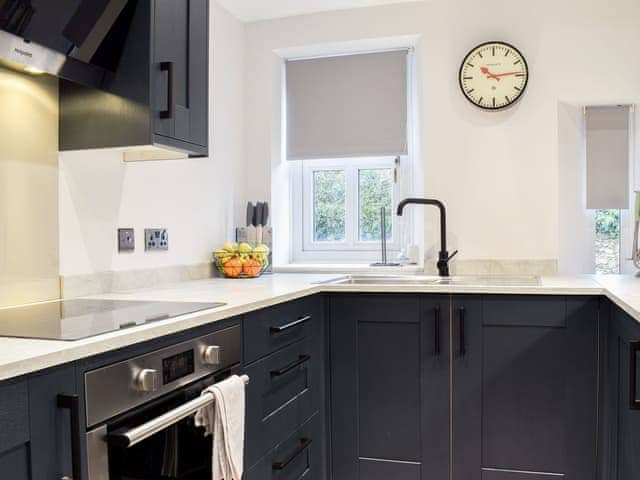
376	191
608	222
329	199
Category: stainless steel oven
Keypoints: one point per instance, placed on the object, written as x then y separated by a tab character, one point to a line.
139	411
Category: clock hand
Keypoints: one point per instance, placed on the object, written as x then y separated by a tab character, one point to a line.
488	73
496	76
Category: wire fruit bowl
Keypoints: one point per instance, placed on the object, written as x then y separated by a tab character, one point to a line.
240	265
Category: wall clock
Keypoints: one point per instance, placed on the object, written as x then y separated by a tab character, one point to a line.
494	75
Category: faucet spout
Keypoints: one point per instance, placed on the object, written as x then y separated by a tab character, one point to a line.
443	255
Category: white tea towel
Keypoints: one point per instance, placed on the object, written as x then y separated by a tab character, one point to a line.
224	419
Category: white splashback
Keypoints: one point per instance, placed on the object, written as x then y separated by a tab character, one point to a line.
28	188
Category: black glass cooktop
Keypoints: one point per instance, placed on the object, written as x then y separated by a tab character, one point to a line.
82	318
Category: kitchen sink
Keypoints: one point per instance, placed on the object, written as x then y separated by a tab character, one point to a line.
462	280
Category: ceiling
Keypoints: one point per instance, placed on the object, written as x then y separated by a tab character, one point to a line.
254	10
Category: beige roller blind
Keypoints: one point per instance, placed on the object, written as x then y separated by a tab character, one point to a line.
607	157
347	106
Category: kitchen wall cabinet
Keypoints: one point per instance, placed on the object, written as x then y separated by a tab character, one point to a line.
158	96
390	387
180	70
525	383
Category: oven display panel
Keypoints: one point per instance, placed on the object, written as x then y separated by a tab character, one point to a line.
177	366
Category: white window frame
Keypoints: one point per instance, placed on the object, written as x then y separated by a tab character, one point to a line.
352	249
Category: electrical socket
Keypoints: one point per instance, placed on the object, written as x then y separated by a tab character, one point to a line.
156	239
126	240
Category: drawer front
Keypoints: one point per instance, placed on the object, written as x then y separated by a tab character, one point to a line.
14	415
273	328
297	457
281	396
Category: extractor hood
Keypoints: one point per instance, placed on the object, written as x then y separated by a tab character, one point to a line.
78	40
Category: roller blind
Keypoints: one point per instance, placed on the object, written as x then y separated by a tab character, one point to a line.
607	132
347	106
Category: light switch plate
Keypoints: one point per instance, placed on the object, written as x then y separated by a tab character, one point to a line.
156	239
126	240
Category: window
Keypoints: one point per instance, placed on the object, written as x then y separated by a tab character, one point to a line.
337	206
607	241
347	136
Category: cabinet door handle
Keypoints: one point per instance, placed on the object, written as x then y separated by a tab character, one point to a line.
287	326
72	403
436	332
633	384
304	444
302	359
168	67
461	333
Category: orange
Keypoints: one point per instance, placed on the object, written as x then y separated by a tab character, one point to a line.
232	268
252	267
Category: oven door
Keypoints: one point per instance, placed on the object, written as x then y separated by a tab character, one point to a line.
176	451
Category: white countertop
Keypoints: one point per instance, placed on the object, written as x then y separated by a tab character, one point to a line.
23	356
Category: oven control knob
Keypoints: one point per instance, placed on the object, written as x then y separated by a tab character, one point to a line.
211	355
147	380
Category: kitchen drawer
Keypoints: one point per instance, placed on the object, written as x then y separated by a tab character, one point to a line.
297	457
14	415
282	395
267	330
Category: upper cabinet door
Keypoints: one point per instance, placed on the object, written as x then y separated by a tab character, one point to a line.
180	70
524	387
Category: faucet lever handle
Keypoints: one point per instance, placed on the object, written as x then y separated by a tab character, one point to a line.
452	255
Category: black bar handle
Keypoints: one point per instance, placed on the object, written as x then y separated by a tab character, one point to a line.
168	67
463	342
436	333
633	384
72	403
302	359
293	324
304	444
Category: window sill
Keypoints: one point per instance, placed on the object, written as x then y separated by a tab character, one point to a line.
344	268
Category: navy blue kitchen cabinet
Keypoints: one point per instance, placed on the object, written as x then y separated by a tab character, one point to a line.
525	387
390	386
159	93
284	351
621	416
522	379
36	432
14	431
55	419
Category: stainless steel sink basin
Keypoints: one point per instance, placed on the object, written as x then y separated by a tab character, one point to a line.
462	280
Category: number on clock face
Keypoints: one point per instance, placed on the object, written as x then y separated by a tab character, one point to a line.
494	75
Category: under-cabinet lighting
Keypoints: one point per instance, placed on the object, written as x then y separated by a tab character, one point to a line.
33	70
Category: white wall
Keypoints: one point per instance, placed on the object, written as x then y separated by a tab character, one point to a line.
195	199
498	173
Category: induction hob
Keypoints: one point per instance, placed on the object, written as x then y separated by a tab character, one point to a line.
81	318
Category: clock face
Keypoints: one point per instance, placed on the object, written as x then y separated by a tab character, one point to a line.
494	75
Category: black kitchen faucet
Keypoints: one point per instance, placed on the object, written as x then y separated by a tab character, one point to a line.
443	256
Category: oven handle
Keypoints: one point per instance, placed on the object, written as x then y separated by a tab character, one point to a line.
142	432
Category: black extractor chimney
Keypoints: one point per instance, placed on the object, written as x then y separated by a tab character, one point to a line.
78	40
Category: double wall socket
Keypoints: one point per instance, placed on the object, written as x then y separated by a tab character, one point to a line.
156	239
